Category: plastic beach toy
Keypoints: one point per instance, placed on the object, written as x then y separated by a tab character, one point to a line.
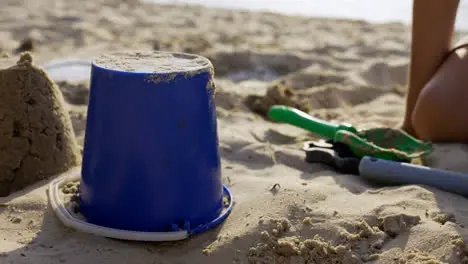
151	167
339	157
383	143
391	172
70	220
72	70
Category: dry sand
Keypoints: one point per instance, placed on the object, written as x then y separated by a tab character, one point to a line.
338	70
36	134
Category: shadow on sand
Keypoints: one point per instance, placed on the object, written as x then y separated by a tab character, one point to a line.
49	241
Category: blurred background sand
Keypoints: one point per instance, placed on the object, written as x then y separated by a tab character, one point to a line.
336	69
381	11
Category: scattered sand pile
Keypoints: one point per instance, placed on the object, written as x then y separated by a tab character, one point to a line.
70	195
277	94
358	242
36	136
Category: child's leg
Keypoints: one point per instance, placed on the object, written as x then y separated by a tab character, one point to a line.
441	110
431	41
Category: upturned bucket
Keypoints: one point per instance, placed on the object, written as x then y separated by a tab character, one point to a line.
150	159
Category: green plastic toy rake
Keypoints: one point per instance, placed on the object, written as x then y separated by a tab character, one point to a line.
382	143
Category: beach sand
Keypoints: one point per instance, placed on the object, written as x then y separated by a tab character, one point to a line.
339	70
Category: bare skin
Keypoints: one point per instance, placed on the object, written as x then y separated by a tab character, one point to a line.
437	100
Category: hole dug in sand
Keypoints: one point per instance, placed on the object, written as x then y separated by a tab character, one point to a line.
36	134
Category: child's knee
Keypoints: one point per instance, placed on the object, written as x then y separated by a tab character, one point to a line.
435	116
421	117
431	116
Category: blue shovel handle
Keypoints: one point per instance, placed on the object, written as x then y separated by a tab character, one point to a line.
405	173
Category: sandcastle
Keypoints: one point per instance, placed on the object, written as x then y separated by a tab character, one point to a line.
36	135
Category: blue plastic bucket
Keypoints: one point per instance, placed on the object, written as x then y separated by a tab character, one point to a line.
150	160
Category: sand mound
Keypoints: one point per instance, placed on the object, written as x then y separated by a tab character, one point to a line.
277	94
310	78
36	137
385	74
340	96
311	90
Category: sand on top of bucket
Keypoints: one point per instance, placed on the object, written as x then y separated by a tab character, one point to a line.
36	135
160	66
152	62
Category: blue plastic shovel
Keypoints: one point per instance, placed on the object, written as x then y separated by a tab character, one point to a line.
404	173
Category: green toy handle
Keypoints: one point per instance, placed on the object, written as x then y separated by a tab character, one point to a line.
292	116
